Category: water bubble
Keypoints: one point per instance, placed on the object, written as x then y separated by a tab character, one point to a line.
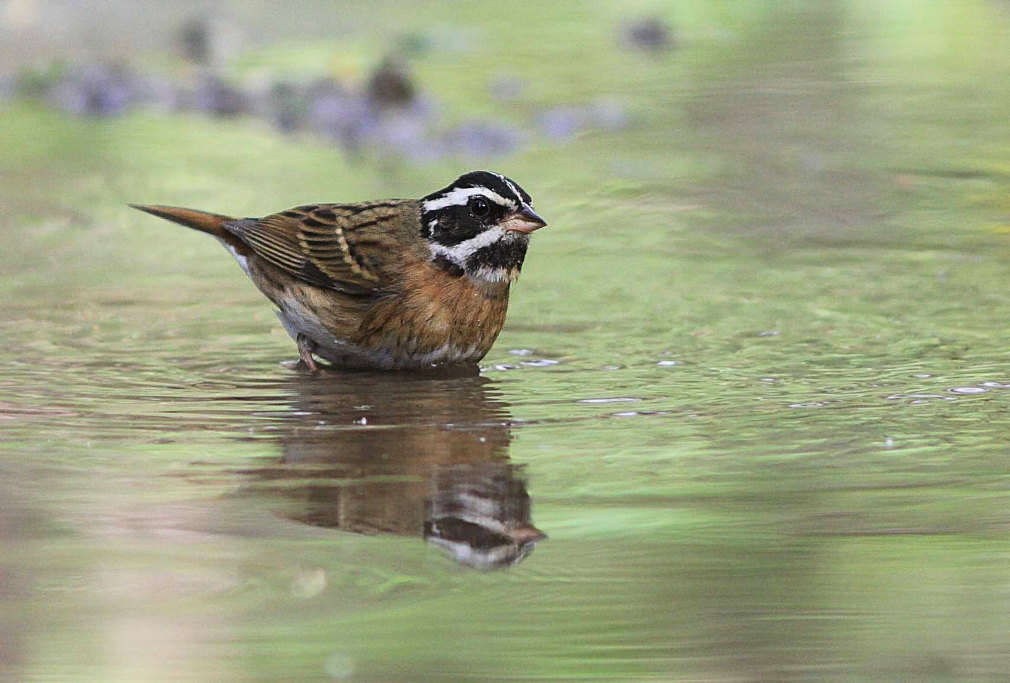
668	363
967	390
919	397
995	385
309	584
541	363
521	352
504	366
338	665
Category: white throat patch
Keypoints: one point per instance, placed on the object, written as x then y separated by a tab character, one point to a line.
460	253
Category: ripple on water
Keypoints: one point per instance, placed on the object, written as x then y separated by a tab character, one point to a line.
919	398
537	363
965	390
640	413
505	367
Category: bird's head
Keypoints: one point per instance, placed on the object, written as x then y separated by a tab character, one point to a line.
480	225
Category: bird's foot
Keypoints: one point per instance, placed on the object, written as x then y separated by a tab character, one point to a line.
305	348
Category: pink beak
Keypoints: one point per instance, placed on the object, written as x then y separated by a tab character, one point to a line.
525	220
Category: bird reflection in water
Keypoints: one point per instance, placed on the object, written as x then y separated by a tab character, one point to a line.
409	454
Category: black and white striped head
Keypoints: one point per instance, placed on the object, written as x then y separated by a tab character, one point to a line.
480	226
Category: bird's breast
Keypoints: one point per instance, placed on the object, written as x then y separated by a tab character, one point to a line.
438	318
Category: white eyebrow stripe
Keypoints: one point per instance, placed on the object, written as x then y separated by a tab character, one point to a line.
460	195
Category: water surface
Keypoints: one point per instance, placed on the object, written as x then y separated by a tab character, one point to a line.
753	387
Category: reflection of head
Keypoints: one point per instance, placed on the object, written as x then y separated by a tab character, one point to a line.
402	454
480	514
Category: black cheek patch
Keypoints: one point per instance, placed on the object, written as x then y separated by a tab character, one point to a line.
498	256
455	225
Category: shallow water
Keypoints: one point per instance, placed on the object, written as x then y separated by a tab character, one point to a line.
753	387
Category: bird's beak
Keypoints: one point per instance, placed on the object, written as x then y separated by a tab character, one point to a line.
526	534
525	220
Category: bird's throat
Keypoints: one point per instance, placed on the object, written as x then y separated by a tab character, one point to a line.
484	260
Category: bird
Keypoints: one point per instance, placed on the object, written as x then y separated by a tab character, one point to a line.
394	284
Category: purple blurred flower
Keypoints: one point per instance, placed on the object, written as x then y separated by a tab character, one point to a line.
564	122
96	90
339	114
608	115
482	138
216	97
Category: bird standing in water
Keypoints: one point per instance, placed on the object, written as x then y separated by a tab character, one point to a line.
394	284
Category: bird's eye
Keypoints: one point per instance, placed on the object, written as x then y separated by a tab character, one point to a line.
480	207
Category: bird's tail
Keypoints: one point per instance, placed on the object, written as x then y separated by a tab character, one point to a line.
210	223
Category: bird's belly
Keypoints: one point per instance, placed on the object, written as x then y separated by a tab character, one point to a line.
300	320
431	325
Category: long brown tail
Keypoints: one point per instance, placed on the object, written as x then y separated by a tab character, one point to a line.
210	223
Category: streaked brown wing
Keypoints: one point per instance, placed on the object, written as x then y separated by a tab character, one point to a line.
338	246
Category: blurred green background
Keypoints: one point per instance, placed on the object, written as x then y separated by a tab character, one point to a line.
753	380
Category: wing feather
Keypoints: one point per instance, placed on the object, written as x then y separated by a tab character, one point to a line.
346	247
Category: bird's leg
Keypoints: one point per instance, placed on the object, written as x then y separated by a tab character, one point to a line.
305	348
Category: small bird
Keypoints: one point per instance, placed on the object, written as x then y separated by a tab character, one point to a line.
394	284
